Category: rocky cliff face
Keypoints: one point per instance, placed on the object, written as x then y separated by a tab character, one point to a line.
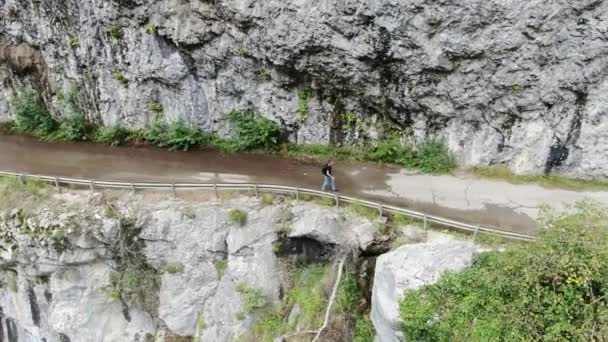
514	82
80	267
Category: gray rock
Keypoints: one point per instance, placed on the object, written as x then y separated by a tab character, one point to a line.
519	83
410	267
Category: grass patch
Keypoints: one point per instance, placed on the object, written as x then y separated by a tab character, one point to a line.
402	220
221	266
252	299
238	216
548	181
14	193
430	156
369	213
325	201
307	292
348	294
267	199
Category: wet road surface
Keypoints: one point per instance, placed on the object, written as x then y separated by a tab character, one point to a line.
364	180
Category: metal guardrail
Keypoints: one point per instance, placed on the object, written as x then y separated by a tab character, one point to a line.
257	188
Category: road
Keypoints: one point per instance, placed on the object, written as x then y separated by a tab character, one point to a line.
462	197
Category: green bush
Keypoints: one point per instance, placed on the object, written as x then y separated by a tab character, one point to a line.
238	216
434	157
253	132
73	127
173	136
31	115
112	135
391	151
364	330
552	289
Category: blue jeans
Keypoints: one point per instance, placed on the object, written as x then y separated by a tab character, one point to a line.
327	181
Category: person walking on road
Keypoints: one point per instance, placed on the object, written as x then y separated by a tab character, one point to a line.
328	177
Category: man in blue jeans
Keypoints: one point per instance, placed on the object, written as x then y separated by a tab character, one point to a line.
328	177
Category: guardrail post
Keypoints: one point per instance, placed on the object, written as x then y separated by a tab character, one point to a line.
57	185
297	195
475	233
92	185
20	176
132	188
256	191
337	198
425	222
173	190
215	190
380	209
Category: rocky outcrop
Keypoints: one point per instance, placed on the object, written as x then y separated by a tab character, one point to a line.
410	267
133	267
520	83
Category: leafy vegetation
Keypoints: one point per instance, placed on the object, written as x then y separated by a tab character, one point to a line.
364	330
74	42
238	217
549	181
31	114
348	294
252	299
249	132
155	106
429	156
552	289
253	132
308	294
118	75
173	136
112	135
152	28
303	108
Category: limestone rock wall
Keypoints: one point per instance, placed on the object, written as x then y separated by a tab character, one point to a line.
514	82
